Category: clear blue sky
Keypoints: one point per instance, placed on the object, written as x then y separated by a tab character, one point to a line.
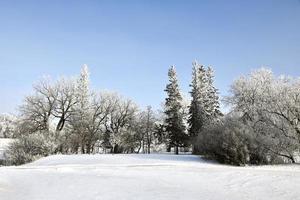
129	45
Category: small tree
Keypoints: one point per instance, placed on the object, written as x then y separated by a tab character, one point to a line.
146	126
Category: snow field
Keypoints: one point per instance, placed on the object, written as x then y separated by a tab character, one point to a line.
145	177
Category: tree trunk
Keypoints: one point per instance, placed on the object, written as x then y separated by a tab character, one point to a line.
139	148
291	158
113	149
168	148
88	149
176	150
194	149
149	146
148	143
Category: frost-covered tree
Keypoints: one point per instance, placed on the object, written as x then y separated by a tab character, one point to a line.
197	112
212	99
7	125
81	112
83	90
173	110
146	126
204	108
119	120
65	102
48	110
37	110
89	115
100	108
270	105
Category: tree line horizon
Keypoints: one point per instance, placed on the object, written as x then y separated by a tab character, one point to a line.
67	117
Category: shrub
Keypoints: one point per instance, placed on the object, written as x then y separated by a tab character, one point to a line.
233	142
28	148
224	142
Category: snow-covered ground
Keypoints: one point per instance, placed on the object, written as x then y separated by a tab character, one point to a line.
145	177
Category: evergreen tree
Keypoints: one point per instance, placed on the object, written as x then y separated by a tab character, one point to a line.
212	100
197	110
80	119
204	108
83	92
173	109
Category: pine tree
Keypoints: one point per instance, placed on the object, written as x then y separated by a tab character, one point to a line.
173	109
197	110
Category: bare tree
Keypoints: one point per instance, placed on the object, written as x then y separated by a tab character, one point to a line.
66	99
100	109
121	114
147	126
38	108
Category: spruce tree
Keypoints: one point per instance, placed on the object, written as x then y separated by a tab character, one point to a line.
81	112
173	110
197	110
212	99
205	107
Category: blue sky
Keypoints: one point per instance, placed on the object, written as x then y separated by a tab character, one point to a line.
129	45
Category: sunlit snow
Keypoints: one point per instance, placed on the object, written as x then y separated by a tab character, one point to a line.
146	177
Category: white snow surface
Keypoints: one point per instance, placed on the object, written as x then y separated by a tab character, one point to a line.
145	177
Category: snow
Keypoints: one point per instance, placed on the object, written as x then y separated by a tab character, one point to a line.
4	143
146	177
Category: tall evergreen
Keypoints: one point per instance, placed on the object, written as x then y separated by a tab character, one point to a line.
205	107
173	109
83	87
81	111
197	110
83	95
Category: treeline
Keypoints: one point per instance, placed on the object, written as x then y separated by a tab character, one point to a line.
262	127
67	117
183	127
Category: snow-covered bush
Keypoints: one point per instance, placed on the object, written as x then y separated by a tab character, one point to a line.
225	142
233	142
28	148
